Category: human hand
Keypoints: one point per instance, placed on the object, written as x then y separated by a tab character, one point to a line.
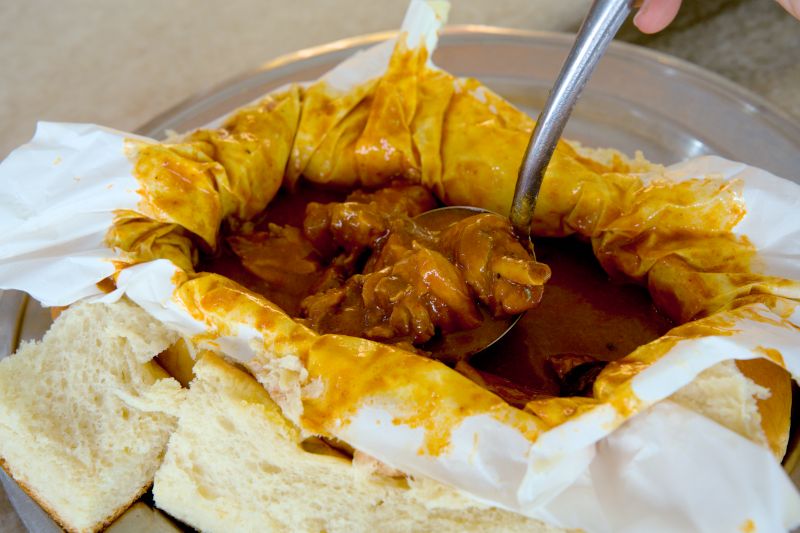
655	15
792	6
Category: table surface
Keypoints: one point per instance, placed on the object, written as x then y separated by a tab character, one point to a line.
121	63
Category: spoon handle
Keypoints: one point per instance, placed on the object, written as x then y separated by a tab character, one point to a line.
598	29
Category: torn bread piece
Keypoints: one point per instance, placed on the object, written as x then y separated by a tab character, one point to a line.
85	413
751	397
236	464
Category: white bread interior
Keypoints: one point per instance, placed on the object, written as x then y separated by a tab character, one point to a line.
725	395
236	464
81	427
752	398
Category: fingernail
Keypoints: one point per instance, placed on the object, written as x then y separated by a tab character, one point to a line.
642	15
655	16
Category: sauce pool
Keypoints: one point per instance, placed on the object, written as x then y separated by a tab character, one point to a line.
582	312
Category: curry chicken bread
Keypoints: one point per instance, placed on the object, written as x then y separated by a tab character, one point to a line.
277	342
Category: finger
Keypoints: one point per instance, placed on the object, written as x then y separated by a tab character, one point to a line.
655	15
792	6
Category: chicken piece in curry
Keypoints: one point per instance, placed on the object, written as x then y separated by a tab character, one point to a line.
364	267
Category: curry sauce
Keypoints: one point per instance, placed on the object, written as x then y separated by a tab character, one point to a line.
366	267
584	316
583	320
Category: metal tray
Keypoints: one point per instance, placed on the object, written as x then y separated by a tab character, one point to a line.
637	100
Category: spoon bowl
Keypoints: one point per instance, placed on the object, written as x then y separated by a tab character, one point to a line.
461	345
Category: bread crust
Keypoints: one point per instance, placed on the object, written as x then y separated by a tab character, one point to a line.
775	410
57	518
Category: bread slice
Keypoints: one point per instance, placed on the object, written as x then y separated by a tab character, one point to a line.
82	421
236	464
751	397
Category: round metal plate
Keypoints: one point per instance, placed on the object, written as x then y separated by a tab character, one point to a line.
637	99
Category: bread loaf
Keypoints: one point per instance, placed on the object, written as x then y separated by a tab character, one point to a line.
84	413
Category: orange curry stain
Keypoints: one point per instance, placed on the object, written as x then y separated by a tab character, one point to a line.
556	411
356	372
178	186
106	285
419	392
748	526
772	354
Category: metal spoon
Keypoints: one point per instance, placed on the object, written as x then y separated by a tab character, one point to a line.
598	29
